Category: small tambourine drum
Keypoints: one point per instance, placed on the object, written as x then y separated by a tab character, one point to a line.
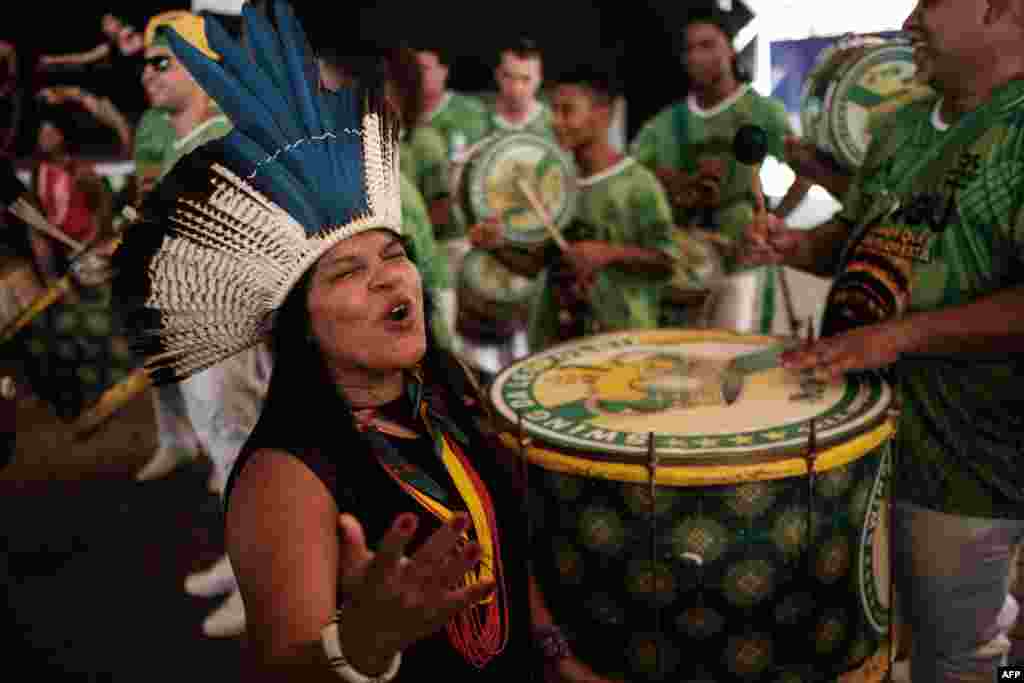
488	181
852	85
728	546
491	293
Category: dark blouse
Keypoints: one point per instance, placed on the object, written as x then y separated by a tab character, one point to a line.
360	485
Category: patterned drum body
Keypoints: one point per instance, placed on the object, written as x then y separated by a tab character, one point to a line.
853	84
74	351
489	185
715	577
493	301
687	296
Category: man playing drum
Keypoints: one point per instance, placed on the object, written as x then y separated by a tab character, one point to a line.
928	252
695	137
620	249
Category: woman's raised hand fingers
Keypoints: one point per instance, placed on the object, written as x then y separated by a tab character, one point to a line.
391	549
436	552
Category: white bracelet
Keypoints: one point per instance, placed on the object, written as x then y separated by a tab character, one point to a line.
331	640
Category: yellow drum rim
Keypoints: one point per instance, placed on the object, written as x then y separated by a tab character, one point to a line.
833	457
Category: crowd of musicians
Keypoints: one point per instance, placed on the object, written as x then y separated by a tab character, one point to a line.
381	541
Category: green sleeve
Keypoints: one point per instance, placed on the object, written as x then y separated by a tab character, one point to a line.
420	233
154	139
774	120
651	215
645	145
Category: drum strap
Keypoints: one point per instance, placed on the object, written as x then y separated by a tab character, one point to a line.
481	632
681	123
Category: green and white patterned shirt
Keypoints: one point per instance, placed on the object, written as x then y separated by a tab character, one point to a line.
460	119
939	216
429	260
623	205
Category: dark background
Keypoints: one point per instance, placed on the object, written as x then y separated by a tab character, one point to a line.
639	40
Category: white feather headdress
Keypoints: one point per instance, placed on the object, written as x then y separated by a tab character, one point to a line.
230	230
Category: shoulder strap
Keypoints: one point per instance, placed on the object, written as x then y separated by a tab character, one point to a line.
681	125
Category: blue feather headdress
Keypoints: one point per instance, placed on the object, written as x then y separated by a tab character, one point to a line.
234	225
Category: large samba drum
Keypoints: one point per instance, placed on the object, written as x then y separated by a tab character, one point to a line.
686	526
72	349
853	83
493	302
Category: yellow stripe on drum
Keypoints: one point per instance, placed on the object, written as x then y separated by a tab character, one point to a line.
706	475
112	400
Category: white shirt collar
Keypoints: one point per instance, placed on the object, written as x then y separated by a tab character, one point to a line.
616	168
691	102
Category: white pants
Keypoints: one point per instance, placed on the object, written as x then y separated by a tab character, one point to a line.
222	403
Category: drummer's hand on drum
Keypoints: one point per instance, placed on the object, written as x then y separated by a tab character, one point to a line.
768	240
394	599
487	234
865	348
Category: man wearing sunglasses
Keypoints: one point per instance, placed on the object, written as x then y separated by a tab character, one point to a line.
222	403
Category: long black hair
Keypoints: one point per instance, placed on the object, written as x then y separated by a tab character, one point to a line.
301	376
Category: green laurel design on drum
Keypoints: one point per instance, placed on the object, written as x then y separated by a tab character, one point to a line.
648	650
752	500
568	562
794	608
749	582
833	559
878	614
604	610
700	623
565	486
702	536
638	499
601	530
789	533
749	655
834	483
653	585
830	632
860	499
851	149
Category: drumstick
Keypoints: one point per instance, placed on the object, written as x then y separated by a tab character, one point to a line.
542	211
750	147
24	210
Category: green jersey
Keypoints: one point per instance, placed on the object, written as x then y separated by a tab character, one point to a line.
211	129
939	222
683	134
154	140
424	161
537	122
461	120
623	205
424	253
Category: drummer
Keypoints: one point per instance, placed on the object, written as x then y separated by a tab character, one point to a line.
927	254
516	108
696	136
621	251
460	119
